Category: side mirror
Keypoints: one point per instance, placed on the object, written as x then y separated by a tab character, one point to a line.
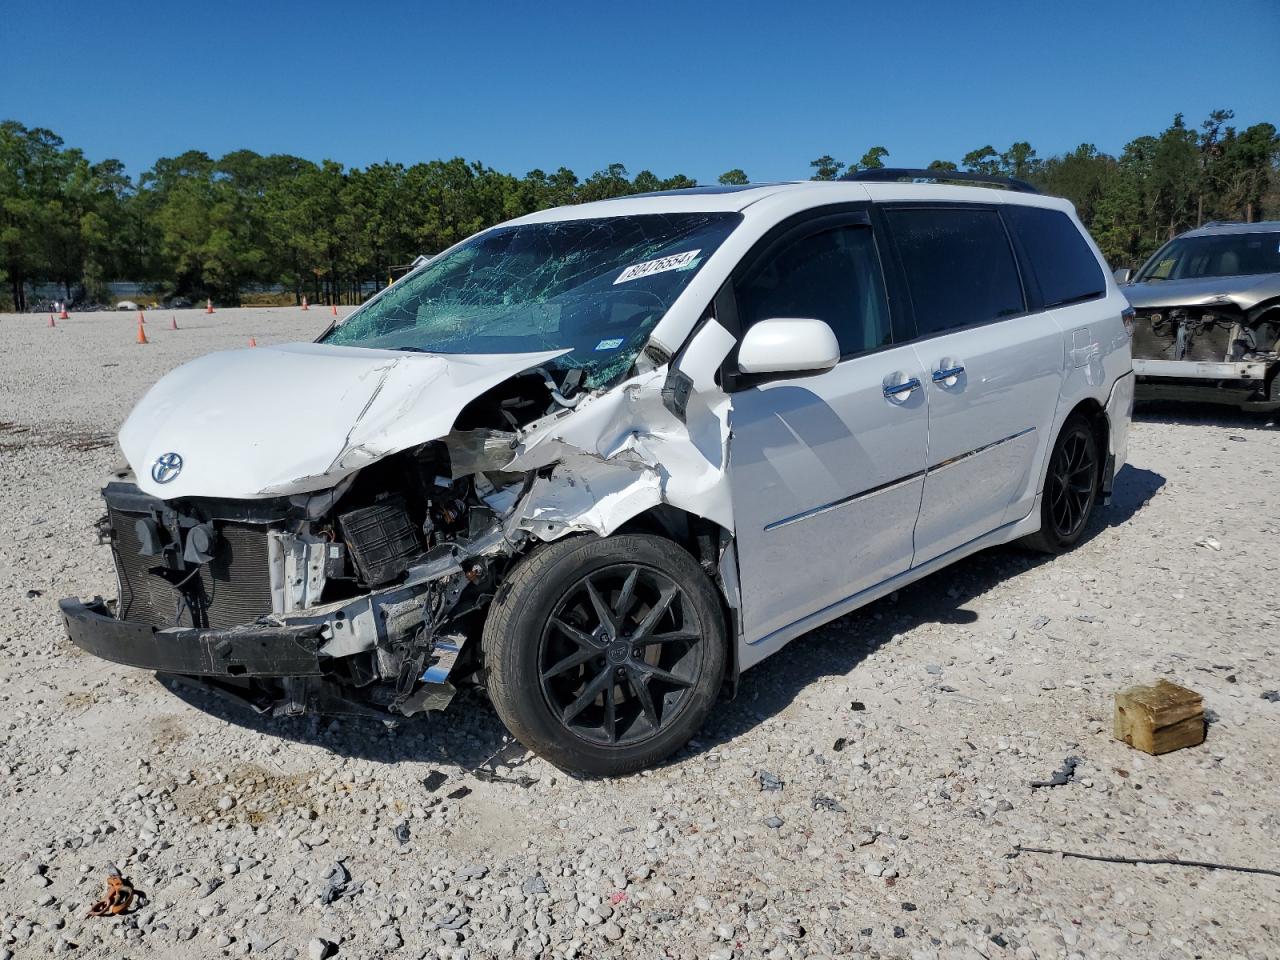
1123	275
788	345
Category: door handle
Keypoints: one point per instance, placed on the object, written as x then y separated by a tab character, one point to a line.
946	373
898	389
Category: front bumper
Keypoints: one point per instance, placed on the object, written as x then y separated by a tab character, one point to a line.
242	651
1201	369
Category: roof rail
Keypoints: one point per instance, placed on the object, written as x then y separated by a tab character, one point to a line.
897	174
1221	223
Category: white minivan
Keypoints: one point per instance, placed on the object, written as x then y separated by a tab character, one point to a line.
601	459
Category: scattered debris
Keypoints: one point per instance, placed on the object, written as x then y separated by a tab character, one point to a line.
1272	695
842	742
1061	776
617	897
32	594
402	832
434	781
1159	718
857	706
488	776
1237	438
828	803
337	880
1209	542
117	899
768	781
1157	861
459	793
908	906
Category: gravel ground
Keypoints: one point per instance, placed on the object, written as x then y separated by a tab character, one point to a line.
862	796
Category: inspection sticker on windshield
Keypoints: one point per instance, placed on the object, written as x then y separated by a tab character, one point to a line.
609	344
677	261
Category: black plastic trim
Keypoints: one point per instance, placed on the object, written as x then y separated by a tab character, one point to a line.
915	175
243	651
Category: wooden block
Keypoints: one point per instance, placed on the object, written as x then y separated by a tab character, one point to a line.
1159	718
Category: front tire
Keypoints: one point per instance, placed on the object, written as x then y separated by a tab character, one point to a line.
605	655
1070	488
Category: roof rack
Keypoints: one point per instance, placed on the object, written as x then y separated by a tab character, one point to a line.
898	174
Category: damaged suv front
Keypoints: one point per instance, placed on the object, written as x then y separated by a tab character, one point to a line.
1207	323
322	526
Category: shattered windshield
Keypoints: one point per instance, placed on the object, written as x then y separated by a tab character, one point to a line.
595	287
1219	255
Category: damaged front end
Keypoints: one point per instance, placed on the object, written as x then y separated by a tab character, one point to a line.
369	597
1213	351
357	599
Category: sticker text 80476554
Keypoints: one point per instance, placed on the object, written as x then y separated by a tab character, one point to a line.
675	261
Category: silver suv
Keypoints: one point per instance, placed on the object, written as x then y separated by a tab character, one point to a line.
1208	316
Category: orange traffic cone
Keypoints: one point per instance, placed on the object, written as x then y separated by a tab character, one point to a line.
173	323
51	323
142	334
64	315
304	304
141	319
208	306
253	341
334	309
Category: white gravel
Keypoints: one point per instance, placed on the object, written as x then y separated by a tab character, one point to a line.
904	738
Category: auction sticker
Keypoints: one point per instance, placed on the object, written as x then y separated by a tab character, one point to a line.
677	261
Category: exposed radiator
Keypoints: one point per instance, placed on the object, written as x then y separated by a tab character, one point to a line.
234	587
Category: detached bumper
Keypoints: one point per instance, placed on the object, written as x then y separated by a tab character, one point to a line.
243	651
1201	369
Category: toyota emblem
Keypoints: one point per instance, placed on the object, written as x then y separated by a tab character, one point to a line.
166	467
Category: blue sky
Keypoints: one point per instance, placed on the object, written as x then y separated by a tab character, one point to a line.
689	87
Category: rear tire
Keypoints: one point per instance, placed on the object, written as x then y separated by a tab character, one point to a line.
605	655
1070	488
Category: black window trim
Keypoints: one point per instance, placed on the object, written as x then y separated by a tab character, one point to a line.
806	223
1028	268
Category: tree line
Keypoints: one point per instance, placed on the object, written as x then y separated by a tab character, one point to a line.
195	226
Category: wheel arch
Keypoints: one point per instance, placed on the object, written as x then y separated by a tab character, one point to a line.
1095	414
709	543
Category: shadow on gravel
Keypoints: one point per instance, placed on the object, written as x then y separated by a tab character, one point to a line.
466	735
838	647
469	735
1203	414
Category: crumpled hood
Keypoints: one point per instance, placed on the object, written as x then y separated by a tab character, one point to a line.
1244	292
300	417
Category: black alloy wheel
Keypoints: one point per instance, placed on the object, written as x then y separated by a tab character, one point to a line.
1070	488
604	655
616	657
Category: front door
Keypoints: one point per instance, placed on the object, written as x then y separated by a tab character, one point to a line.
825	471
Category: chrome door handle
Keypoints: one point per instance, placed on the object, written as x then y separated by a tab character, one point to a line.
947	373
897	389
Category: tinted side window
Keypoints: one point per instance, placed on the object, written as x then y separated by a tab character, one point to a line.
1064	265
833	276
959	266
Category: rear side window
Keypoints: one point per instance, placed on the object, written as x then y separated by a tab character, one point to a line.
1064	266
959	266
834	276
